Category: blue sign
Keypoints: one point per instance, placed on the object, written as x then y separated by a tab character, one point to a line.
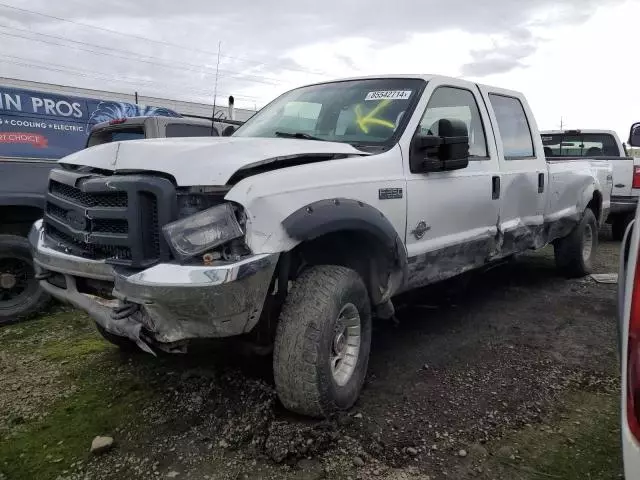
48	126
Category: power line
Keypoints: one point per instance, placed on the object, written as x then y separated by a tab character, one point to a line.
141	58
195	68
103	76
139	37
201	93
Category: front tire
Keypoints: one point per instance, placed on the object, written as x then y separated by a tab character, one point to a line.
323	341
20	292
574	253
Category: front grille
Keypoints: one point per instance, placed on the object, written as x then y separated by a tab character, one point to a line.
98	225
110	200
155	227
56	212
88	250
109	226
116	218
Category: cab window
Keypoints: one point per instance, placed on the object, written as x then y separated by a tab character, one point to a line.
115	135
513	127
456	104
186	130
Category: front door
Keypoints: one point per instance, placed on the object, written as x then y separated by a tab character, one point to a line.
452	216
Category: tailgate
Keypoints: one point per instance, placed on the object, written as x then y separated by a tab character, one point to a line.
622	176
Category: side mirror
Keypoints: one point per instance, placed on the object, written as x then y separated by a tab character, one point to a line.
436	153
228	131
634	135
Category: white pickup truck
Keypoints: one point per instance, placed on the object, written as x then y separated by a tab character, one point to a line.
308	220
603	145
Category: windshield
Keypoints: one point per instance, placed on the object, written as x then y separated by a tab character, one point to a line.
580	145
363	112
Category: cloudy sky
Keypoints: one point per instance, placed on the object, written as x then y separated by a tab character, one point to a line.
572	58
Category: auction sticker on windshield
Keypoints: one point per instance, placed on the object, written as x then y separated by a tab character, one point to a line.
389	95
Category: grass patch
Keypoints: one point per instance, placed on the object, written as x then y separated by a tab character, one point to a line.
106	394
62	323
75	349
107	398
582	442
65	335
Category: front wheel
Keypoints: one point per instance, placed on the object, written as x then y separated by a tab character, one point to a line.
575	253
323	341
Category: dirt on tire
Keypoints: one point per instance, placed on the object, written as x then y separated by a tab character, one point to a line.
304	338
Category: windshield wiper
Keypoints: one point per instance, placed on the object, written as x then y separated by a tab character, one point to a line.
301	135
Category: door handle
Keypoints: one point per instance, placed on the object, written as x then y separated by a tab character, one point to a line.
495	187
540	182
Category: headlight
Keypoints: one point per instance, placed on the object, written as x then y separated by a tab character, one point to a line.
194	200
202	231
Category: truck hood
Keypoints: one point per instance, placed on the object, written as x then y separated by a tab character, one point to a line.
202	160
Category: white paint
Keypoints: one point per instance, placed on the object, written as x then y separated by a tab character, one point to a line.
202	160
456	204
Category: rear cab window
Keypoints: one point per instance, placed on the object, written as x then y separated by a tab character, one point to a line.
513	127
577	144
115	134
186	130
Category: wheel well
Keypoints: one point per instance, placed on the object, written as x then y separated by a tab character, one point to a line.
595	205
359	250
17	220
377	264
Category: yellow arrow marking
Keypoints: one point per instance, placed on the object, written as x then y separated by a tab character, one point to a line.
370	119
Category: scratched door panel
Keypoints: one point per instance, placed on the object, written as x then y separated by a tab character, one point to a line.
456	206
524	173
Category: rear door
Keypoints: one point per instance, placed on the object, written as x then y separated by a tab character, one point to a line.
523	169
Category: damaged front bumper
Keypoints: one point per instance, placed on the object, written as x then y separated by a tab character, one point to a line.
163	305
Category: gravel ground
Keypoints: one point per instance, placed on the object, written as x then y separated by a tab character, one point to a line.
466	366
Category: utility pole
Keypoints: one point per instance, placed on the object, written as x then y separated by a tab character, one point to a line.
215	88
561	123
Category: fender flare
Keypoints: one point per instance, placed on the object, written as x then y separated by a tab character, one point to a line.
343	214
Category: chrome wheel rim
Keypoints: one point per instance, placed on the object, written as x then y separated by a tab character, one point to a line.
587	243
345	345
